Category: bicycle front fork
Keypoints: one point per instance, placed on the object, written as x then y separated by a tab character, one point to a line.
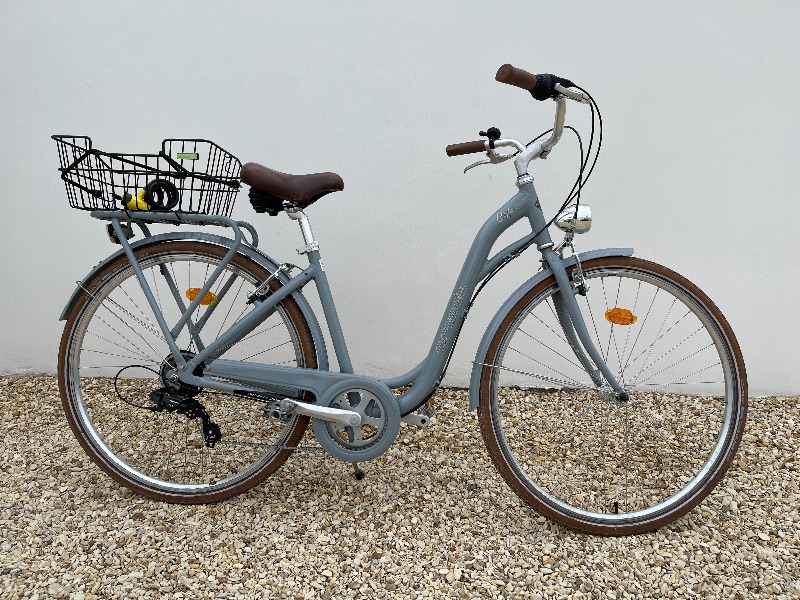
574	326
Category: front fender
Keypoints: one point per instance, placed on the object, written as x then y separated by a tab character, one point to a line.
501	314
253	253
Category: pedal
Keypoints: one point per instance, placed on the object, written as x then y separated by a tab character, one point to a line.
278	410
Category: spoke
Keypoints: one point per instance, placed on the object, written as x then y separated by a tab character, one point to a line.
660	336
267	350
594	323
622	365
168	454
131	342
545	366
154	287
676	382
150	325
649	349
660	385
128	325
628	336
566	384
230	308
112	354
154	363
644	320
554	351
611	329
676	346
680	361
555	316
612	333
134	350
262	331
627	454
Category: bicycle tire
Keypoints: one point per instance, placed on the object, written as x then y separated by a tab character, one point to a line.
112	356
580	456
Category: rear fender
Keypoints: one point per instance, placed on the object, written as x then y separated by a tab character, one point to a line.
248	251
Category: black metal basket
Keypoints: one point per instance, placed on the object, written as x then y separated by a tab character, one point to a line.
205	177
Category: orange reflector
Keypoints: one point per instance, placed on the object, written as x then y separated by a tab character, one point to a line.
620	316
209	298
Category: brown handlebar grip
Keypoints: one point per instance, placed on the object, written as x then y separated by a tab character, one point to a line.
466	148
516	77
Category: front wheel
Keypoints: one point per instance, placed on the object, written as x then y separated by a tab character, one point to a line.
578	454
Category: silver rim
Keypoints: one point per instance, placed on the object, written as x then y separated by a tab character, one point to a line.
160	451
589	456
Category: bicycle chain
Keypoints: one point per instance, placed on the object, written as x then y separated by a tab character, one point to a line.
279	447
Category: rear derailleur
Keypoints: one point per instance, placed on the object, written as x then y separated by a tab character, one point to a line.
164	400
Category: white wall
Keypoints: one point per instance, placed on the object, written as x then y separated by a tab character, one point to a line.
698	170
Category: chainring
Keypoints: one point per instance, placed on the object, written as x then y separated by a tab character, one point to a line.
380	423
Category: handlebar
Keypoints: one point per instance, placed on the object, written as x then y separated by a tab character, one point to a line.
517	77
541	87
466	148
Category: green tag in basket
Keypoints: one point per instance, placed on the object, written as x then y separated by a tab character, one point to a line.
187	156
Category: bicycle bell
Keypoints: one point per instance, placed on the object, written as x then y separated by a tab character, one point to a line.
575	222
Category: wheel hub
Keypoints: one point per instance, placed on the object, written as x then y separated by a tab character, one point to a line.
170	380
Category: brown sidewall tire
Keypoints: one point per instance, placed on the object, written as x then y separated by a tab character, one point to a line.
507	470
299	322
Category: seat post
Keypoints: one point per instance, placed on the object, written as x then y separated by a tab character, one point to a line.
297	214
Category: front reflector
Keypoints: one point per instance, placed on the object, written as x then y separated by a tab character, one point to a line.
620	316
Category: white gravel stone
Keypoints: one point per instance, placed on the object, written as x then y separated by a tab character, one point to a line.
432	519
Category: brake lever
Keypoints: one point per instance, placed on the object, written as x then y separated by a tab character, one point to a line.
494	159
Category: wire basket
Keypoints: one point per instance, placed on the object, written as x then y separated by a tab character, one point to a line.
204	177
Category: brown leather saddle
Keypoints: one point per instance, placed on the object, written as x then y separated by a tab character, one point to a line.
269	189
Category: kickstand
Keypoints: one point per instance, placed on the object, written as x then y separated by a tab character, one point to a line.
359	474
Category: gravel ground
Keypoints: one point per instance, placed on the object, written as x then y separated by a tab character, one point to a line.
432	519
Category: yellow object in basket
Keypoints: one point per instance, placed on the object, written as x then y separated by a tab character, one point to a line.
137	203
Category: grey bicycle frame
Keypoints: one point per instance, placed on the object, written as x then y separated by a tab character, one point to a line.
235	376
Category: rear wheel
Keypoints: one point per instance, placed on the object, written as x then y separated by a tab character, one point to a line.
113	356
583	457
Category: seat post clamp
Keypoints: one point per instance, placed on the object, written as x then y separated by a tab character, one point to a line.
308	248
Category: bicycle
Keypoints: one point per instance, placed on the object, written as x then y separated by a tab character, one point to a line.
611	392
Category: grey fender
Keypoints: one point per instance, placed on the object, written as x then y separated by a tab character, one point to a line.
248	251
501	314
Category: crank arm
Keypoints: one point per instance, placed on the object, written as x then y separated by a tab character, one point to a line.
418	419
334	415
